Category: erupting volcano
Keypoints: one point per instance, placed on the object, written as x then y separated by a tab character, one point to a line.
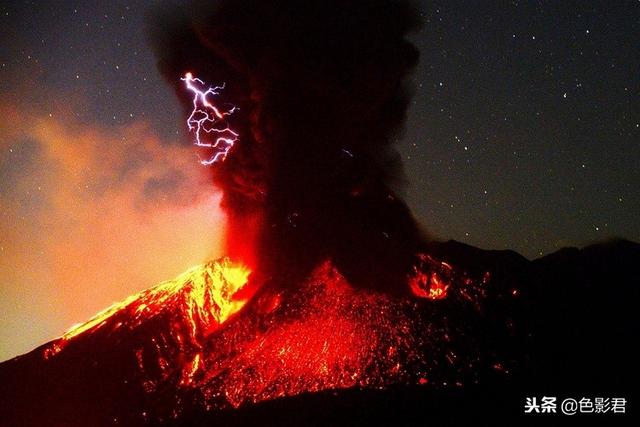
331	294
199	349
194	343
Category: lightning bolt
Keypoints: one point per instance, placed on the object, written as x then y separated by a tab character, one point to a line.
207	122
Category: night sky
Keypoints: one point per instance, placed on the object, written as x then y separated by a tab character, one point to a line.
524	134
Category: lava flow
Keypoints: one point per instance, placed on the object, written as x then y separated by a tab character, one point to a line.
200	299
193	350
190	343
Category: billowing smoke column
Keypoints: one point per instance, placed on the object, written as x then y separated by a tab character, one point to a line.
321	95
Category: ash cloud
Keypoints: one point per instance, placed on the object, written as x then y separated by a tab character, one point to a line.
322	95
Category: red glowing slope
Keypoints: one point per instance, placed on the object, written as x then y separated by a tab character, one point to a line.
324	336
187	351
187	345
194	305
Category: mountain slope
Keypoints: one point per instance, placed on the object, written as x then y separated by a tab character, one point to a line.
490	322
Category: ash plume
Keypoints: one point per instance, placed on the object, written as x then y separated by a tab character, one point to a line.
321	89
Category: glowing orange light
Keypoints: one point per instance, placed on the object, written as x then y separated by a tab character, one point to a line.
194	366
204	297
430	278
431	286
322	335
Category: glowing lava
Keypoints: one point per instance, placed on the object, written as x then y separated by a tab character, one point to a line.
196	341
202	298
430	278
327	335
207	121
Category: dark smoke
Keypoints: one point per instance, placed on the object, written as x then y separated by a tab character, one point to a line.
322	95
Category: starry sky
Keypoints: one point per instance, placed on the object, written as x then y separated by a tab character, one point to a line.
524	133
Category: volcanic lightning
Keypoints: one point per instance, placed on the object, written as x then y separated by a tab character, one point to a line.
206	118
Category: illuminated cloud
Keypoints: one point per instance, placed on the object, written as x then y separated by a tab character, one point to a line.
91	214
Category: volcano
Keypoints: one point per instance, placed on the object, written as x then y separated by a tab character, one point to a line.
482	330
